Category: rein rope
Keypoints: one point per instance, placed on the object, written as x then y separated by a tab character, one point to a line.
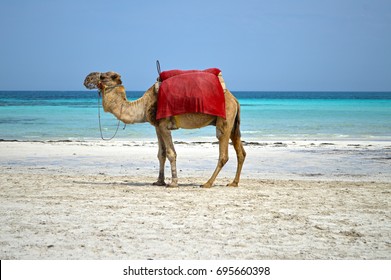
100	125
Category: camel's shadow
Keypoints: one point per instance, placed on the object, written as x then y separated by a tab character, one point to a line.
141	184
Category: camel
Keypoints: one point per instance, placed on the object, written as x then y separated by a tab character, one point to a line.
144	110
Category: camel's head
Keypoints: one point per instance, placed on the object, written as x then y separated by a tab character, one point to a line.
98	80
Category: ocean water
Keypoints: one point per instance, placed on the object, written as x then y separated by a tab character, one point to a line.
265	116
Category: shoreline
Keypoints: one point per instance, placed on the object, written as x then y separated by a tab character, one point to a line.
189	141
94	200
323	160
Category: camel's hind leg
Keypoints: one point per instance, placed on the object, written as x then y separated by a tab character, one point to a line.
241	155
223	136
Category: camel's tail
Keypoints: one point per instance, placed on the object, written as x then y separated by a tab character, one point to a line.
236	128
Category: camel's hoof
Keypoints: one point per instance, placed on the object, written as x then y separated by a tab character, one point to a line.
235	185
206	185
172	185
159	183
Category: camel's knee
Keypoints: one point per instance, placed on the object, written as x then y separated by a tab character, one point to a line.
240	152
161	155
242	156
222	161
171	155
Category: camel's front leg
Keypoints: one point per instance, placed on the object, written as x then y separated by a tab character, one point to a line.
170	153
162	160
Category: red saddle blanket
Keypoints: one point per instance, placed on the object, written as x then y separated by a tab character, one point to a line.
190	91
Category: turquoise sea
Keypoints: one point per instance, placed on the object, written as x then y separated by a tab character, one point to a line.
265	116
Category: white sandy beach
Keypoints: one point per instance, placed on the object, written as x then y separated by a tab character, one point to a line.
94	200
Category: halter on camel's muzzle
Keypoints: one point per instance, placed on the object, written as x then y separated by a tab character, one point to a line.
92	81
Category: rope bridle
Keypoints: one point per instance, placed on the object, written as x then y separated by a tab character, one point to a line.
102	92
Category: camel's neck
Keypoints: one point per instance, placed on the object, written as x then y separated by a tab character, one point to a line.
129	112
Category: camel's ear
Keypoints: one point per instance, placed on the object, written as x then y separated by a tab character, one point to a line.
116	77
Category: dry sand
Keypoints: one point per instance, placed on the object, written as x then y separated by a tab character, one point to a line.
94	200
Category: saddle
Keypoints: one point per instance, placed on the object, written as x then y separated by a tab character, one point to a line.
190	91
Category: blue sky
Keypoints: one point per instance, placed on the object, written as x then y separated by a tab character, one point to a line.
266	45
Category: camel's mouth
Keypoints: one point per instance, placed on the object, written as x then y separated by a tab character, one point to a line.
90	85
92	80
